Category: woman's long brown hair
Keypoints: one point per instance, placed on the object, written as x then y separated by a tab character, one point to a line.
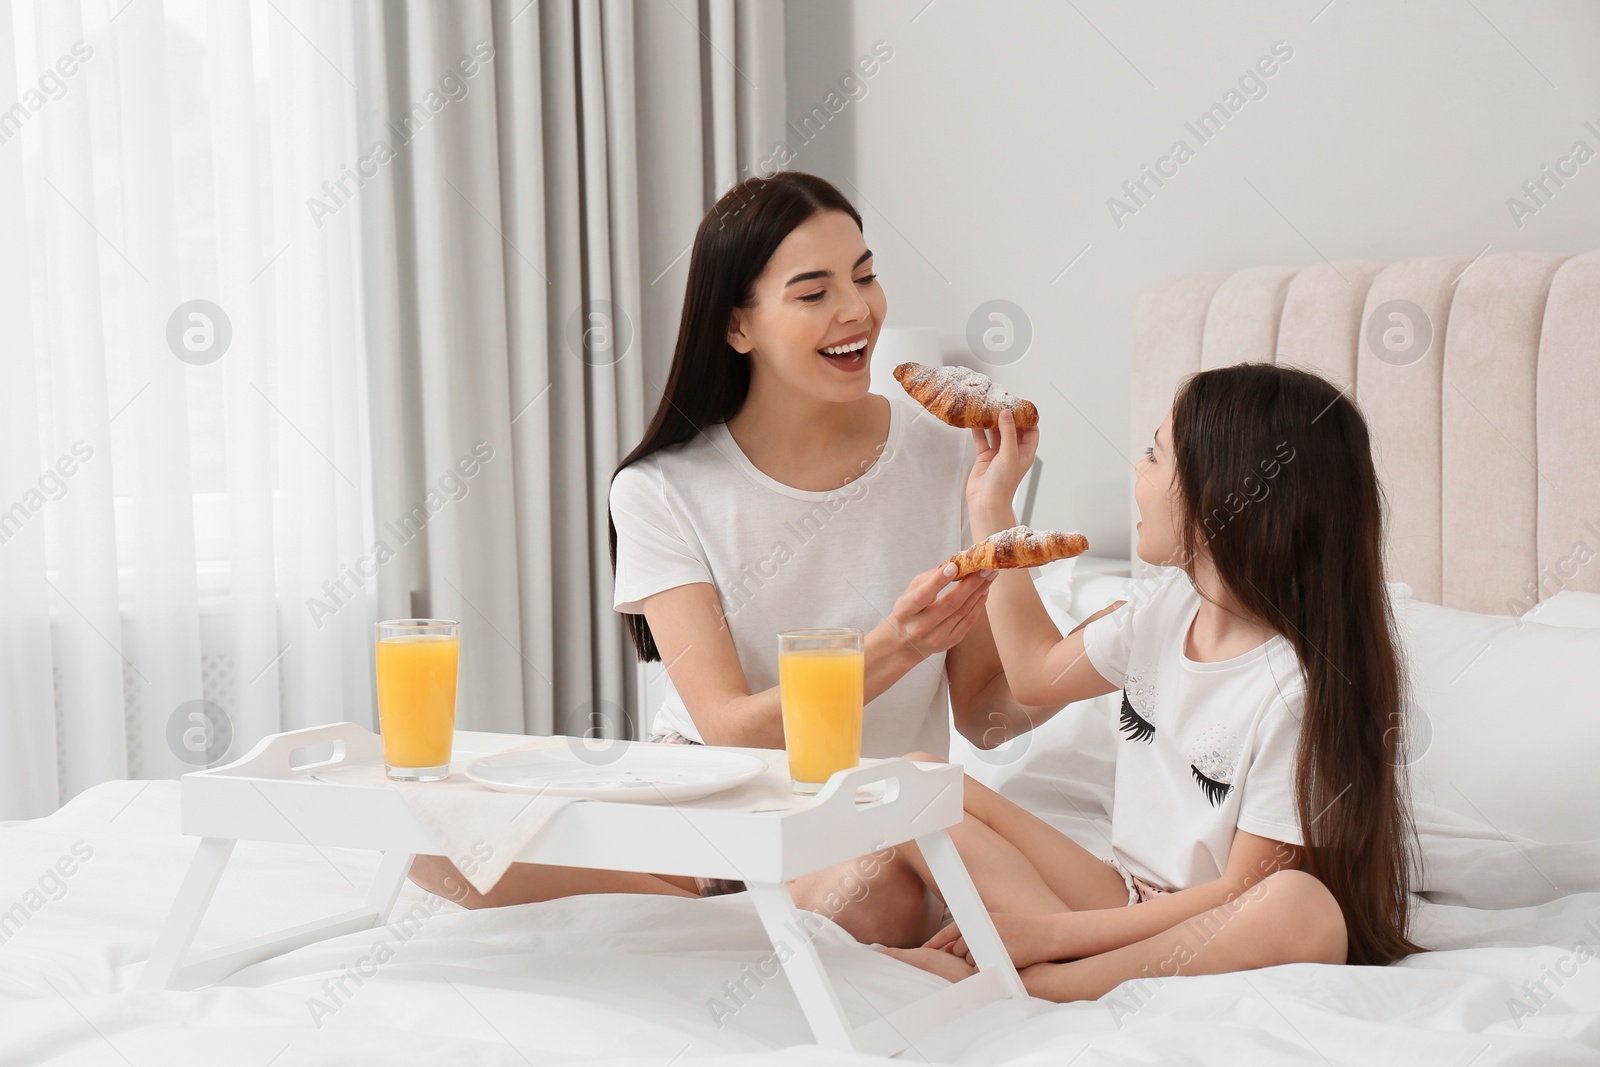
709	380
1275	480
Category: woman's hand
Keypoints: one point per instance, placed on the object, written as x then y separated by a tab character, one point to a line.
1004	457
926	623
1029	939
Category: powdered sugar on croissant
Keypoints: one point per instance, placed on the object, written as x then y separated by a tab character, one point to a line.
962	397
1019	547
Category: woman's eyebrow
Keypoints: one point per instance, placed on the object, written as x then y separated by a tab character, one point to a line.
812	275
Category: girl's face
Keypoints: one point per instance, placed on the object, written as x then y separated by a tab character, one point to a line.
1155	493
818	308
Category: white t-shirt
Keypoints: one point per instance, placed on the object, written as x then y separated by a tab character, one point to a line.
782	558
1207	748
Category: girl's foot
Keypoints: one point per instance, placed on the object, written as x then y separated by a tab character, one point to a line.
935	961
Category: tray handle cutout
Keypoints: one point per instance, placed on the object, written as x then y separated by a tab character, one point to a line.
296	753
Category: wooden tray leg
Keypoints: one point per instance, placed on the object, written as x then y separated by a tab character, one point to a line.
893	1032
168	967
997	978
966	907
386	884
810	982
194	896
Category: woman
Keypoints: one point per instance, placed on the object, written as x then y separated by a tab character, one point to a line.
773	491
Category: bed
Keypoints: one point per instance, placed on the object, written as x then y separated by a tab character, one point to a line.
1488	458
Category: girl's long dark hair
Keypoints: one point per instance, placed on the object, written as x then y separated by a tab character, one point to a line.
709	379
1275	480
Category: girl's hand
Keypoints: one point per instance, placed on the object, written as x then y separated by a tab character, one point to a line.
1004	457
928	623
1029	939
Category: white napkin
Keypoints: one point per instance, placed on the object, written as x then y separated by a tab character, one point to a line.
480	829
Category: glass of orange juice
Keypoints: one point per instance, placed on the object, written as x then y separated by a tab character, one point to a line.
821	680
417	696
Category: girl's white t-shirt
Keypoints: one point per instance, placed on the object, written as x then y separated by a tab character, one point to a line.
782	558
1207	748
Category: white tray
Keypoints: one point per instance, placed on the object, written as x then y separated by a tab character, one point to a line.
266	796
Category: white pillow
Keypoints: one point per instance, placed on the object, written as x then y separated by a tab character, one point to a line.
1504	729
1567	608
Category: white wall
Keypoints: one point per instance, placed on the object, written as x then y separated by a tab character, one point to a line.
983	153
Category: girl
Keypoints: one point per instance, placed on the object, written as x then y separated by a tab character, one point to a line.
773	491
1257	815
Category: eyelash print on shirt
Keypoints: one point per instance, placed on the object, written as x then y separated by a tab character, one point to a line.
1138	718
1136	726
1214	791
1214	762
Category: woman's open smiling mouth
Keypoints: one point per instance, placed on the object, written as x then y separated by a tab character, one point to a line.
849	354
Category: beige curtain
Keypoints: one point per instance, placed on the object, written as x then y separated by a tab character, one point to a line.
532	174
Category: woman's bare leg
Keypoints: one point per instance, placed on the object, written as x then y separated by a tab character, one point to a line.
889	906
877	898
527	883
1019	862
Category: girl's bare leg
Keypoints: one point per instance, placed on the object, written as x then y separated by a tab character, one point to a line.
1021	864
1287	917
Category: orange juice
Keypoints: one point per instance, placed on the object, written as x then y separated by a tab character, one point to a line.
417	698
821	693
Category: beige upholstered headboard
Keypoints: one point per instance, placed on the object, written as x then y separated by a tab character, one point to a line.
1480	380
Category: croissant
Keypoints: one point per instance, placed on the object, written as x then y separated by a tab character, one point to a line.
1019	547
962	397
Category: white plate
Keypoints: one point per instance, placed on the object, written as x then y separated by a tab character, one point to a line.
647	773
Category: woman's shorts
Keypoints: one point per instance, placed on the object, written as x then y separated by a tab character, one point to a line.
707	887
1139	890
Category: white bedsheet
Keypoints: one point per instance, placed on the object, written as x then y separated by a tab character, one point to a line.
632	979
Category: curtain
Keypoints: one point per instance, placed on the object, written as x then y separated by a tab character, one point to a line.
526	248
184	465
323	312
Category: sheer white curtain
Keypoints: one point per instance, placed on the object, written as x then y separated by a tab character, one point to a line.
178	519
292	292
